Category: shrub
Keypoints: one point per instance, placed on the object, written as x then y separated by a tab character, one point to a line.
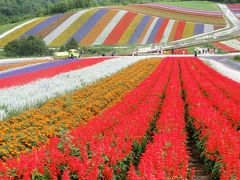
72	44
26	46
236	58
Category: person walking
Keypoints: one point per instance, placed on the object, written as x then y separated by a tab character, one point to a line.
195	52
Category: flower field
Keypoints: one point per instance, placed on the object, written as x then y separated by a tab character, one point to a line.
178	13
232	45
235	8
9	66
19	32
130	119
121	25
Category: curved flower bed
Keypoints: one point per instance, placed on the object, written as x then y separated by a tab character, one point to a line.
88	25
20	65
144	31
61	28
17	33
52	26
65	35
95	32
229	87
130	29
66	112
216	96
139	29
161	30
180	29
125	128
188	30
152	36
219	139
45	70
120	28
19	98
167	157
42	25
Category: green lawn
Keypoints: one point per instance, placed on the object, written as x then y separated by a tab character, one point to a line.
199	5
6	27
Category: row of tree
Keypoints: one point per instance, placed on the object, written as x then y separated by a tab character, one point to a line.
33	46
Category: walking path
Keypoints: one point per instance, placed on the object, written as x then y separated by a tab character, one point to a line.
232	30
225	60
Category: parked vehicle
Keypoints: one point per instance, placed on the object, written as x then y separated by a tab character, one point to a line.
72	53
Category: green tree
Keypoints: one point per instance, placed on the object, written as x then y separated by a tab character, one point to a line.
72	44
26	46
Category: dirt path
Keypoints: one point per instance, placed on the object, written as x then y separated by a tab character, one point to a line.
196	163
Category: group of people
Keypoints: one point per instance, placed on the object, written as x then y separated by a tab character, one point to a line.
197	50
206	50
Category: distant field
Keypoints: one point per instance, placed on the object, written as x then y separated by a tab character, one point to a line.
199	5
121	25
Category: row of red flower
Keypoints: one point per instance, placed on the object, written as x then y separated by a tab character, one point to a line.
222	142
45	70
167	155
103	148
96	149
229	87
215	95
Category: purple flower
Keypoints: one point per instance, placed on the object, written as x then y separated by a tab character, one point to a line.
198	29
42	25
36	67
154	31
87	26
139	29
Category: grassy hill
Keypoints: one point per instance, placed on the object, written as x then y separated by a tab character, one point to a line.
12	11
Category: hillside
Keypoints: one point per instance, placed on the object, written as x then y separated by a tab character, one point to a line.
119	25
12	11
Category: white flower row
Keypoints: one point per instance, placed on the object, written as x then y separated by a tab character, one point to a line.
108	29
19	98
16	28
59	30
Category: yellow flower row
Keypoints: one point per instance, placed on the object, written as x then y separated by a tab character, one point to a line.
73	28
21	133
188	30
130	30
17	33
11	66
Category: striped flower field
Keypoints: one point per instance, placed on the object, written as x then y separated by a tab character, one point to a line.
119	118
120	25
235	8
232	45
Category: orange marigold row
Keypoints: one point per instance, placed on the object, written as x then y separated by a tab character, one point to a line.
35	126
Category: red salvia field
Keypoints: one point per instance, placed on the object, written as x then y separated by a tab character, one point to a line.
144	136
